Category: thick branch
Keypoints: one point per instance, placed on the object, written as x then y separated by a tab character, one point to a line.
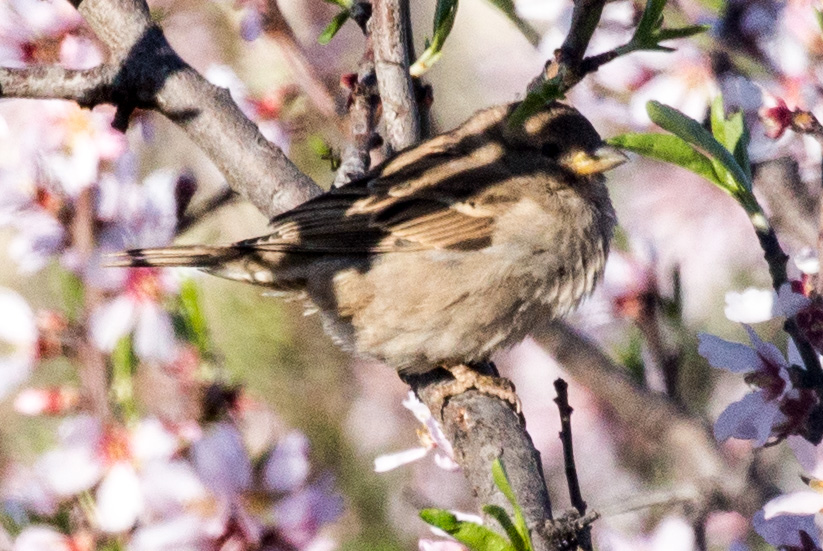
390	34
88	88
481	429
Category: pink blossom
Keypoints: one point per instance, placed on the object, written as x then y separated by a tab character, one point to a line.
42	538
432	439
776	407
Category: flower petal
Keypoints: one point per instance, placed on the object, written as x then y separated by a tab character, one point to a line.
288	465
733	356
751	418
804	502
111	322
154	335
391	461
751	306
119	499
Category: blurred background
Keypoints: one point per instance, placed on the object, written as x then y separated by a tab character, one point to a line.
216	364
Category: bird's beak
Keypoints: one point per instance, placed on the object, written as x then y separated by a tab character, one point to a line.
602	159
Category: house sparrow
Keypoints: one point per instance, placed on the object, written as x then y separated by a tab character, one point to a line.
446	251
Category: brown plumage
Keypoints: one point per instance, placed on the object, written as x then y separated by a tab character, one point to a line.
446	251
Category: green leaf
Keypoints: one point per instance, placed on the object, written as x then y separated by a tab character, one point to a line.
502	482
650	20
444	15
474	536
193	318
345	4
123	369
732	133
732	177
818	15
507	7
501	516
680	32
535	101
332	28
670	149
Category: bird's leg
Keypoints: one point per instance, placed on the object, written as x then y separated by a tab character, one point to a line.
468	378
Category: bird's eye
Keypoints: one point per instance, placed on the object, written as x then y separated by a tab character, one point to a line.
551	150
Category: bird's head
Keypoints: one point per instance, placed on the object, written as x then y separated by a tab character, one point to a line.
560	133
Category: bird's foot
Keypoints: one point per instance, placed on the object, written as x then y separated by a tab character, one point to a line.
466	378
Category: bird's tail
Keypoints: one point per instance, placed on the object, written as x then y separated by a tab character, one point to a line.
194	256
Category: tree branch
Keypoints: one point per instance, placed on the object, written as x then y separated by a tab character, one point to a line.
389	28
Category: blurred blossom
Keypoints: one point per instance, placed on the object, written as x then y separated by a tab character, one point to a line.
139	309
45	538
300	515
671	534
689	89
18	341
431	438
776	116
115	457
76	142
439	545
759	305
776	408
46	401
29	28
287	467
789	532
221	460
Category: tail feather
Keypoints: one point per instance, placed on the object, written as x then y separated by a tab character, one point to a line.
195	256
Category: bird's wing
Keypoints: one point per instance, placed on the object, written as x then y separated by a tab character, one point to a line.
439	201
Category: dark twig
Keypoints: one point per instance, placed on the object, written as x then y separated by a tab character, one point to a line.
584	538
668	435
303	71
391	34
225	196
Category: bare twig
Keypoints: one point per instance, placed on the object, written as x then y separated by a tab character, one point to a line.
225	196
675	439
389	28
276	26
584	538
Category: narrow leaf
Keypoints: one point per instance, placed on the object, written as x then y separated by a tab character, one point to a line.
332	28
501	480
535	100
680	32
345	4
444	16
670	149
507	7
732	133
732	177
474	536
650	20
502	517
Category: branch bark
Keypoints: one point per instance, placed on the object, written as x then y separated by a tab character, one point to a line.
389	28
